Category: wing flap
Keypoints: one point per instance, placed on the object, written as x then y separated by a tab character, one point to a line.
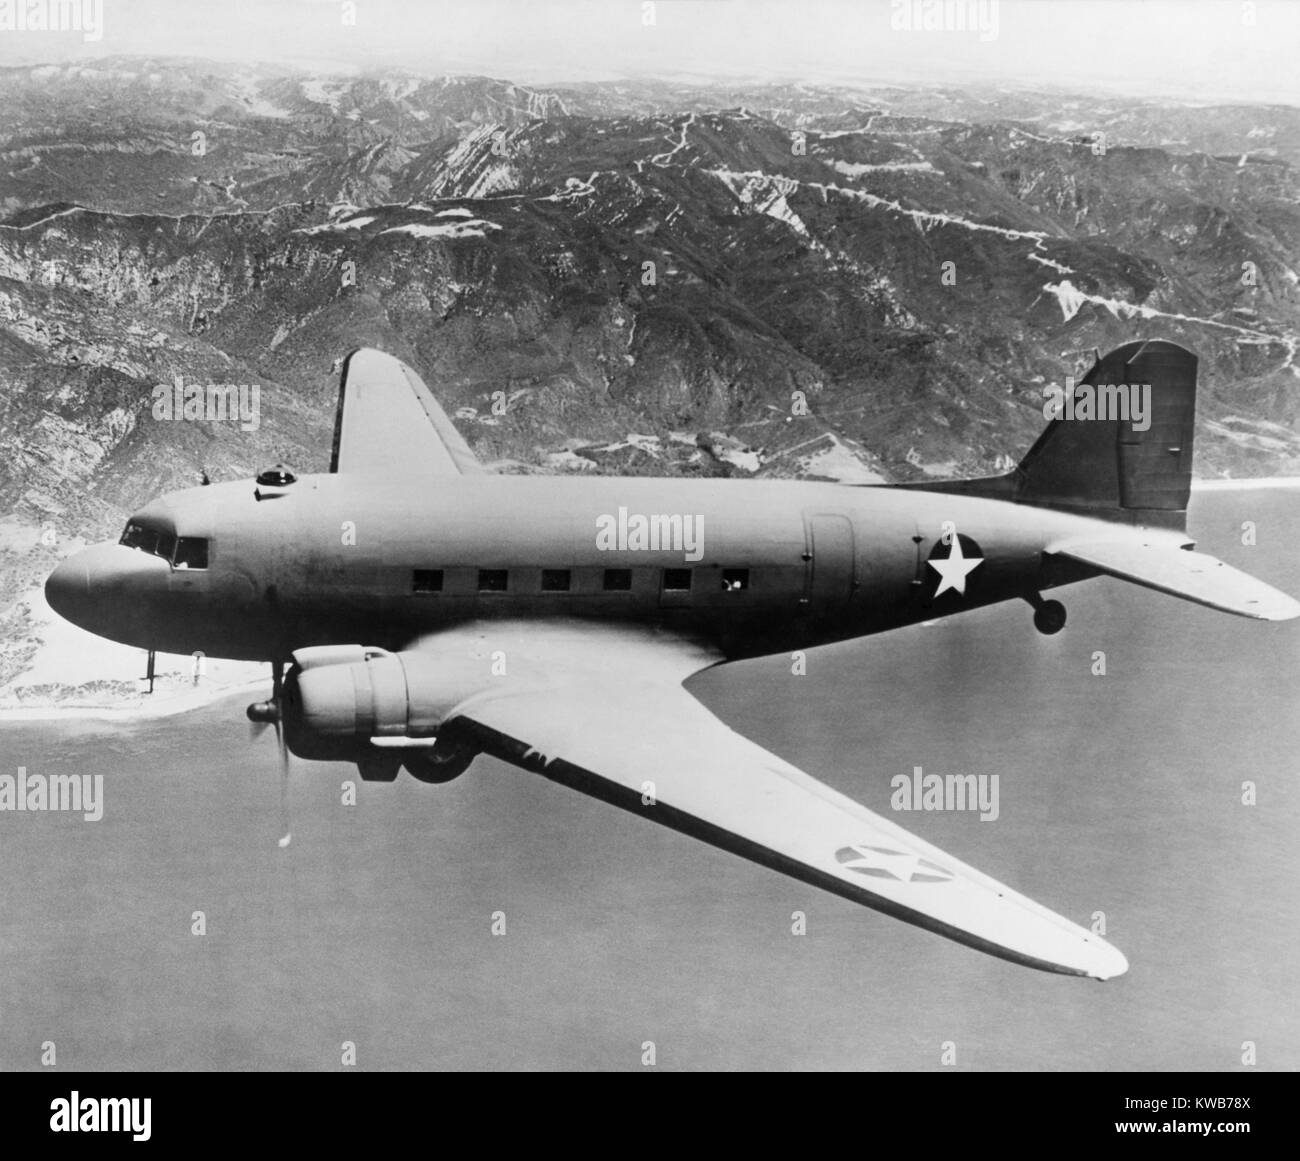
656	751
387	416
1194	576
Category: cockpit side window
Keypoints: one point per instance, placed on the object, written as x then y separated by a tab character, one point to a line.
191	552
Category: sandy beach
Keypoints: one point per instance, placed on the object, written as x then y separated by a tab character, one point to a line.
75	674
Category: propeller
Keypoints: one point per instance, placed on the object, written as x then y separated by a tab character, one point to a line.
265	713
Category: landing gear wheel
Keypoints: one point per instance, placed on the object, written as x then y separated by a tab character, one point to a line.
1049	617
435	769
380	768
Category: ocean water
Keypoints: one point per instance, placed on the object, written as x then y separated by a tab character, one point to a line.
1118	794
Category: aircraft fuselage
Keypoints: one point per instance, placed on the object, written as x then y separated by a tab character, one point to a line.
750	567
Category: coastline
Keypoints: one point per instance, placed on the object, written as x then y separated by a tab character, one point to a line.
74	675
143	707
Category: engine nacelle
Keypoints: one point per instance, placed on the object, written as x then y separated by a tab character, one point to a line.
359	704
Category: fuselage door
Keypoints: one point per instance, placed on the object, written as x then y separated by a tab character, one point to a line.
830	562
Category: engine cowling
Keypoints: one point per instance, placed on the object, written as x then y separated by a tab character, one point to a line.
360	704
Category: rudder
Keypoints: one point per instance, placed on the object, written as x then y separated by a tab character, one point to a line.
1122	450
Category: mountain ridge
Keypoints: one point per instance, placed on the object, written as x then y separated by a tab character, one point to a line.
590	281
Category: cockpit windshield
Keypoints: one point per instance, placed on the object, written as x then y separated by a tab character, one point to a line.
154	541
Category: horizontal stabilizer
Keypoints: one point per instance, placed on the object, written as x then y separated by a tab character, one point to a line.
1194	576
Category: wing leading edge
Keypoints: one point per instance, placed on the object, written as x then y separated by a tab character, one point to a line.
386	416
651	748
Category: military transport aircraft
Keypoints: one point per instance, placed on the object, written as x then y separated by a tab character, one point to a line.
429	611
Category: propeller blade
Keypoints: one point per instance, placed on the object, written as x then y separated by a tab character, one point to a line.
286	835
282	743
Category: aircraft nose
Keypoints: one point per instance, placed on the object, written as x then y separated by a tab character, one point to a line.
67	589
103	588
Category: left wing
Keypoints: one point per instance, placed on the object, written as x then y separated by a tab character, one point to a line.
645	744
387	416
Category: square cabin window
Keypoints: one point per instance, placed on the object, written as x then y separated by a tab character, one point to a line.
426	580
492	580
735	580
555	580
618	580
677	580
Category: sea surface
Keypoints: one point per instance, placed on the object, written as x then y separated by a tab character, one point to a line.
1119	794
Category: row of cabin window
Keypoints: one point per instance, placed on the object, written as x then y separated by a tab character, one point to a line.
560	580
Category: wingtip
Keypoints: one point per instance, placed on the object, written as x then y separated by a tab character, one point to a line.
1278	607
1288	610
368	355
1108	962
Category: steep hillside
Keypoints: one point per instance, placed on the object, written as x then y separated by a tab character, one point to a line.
783	281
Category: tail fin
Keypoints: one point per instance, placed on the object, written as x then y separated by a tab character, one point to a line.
1122	449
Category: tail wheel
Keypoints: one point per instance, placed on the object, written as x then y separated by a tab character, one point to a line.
1049	617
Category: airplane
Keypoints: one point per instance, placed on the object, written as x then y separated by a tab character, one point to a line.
418	611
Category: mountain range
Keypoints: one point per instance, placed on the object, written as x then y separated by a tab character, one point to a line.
641	277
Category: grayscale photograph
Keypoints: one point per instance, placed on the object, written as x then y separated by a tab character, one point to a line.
649	535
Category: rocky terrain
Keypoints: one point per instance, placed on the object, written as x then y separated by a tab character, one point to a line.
638	277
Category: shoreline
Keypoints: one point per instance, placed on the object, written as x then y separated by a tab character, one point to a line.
75	676
147	707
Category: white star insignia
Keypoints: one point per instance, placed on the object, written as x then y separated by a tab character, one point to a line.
884	863
954	570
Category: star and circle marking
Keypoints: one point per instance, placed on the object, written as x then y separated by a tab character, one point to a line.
955	567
